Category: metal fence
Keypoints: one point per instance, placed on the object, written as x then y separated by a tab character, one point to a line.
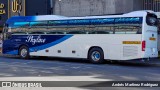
151	5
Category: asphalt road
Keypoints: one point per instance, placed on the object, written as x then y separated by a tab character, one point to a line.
72	69
15	67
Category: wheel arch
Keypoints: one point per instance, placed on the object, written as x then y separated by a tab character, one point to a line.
21	46
92	48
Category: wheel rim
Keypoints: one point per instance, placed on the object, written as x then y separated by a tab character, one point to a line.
24	52
96	56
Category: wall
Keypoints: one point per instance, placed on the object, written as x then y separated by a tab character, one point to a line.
37	7
123	6
138	5
3	16
92	7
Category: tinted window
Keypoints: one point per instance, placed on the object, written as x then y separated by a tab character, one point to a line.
152	20
128	29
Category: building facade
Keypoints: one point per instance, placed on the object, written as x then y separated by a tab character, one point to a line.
102	7
9	8
94	7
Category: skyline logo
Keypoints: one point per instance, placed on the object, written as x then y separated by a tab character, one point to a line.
35	40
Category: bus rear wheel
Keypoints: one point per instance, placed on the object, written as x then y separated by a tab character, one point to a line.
24	52
96	56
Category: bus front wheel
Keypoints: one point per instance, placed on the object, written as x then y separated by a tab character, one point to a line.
96	56
24	52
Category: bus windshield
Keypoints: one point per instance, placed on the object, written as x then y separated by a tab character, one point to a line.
152	20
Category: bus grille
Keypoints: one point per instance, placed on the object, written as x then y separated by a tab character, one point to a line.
130	51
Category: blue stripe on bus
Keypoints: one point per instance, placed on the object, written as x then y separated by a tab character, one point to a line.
50	44
15	52
38	48
22	19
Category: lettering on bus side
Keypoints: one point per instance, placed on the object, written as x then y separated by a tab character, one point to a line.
152	39
34	40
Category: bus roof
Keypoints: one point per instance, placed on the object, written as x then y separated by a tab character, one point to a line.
58	17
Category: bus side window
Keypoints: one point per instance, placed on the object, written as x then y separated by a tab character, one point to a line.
101	29
122	29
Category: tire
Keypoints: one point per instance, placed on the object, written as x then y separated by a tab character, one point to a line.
24	52
96	56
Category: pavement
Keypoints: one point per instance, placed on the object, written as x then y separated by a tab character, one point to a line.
75	71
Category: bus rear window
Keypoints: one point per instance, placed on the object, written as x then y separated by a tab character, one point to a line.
152	20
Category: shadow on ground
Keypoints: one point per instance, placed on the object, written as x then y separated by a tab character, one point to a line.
132	63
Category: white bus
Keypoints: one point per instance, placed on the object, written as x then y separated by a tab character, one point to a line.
96	38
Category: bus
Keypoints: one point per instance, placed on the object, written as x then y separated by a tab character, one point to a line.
127	36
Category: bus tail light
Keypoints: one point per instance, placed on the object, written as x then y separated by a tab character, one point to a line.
143	45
